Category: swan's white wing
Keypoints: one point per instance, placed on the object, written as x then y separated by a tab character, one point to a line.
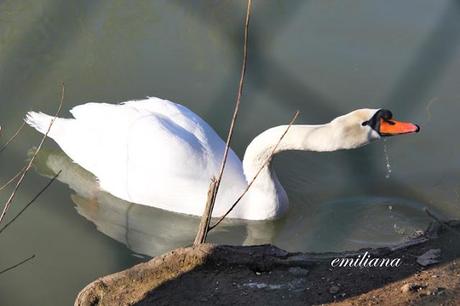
152	152
180	115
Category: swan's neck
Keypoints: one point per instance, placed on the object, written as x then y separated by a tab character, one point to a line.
266	196
318	138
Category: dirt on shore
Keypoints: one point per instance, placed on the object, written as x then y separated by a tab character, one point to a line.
209	274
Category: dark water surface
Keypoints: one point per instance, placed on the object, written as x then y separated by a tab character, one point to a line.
324	58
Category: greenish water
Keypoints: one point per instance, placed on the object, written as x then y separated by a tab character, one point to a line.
323	58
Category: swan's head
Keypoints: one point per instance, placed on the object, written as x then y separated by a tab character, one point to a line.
362	126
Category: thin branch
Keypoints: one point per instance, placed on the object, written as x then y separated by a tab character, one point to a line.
12	138
29	165
13	178
214	186
257	173
238	98
203	228
18	264
31	201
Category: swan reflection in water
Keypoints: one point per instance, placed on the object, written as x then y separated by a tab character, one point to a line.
372	221
144	230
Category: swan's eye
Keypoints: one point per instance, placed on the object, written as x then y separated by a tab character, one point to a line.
365	123
386	114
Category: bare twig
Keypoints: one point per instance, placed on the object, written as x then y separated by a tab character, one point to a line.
238	99
257	173
18	264
29	165
214	187
443	223
203	229
12	138
13	178
31	201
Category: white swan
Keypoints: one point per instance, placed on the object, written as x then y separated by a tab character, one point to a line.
158	153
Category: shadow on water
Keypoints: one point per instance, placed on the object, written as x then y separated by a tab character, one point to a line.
264	73
413	86
36	49
147	230
409	94
50	41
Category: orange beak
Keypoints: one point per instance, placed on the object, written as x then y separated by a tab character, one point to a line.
392	127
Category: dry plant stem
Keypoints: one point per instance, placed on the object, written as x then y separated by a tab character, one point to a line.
215	186
18	264
257	173
203	228
30	202
12	138
13	178
237	104
29	165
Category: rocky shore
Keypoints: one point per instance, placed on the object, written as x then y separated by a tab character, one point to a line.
429	274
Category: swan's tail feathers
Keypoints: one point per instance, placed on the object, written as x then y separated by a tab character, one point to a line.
39	121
